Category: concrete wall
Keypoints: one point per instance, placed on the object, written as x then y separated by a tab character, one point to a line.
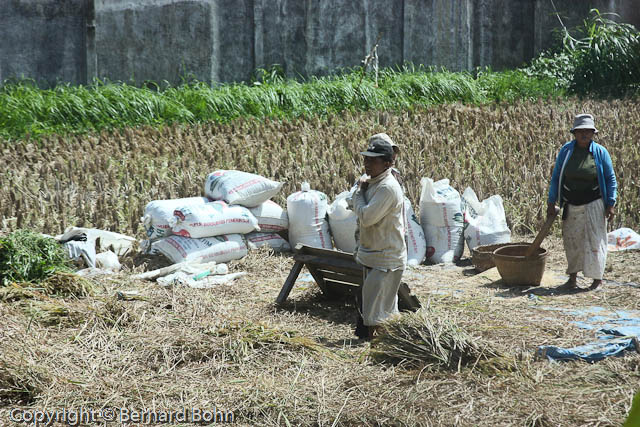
44	40
226	40
154	40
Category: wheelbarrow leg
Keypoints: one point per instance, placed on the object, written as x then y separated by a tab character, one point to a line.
288	284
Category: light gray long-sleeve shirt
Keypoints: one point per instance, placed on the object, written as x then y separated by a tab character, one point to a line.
381	243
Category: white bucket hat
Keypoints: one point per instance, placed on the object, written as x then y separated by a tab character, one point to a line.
583	121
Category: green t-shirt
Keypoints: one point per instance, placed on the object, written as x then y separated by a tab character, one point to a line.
580	183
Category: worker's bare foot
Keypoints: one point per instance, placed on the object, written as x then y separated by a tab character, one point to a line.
569	285
595	284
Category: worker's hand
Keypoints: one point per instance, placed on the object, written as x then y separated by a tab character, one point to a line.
363	183
609	213
551	209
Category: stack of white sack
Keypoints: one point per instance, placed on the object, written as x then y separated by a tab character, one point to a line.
205	249
159	213
240	188
274	223
307	225
441	220
271	217
343	223
486	222
273	241
414	236
216	227
212	219
254	193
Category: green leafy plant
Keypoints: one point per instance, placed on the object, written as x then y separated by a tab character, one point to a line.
26	256
607	56
602	57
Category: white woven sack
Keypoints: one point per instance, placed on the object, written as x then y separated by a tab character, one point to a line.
158	213
486	222
212	219
444	244
440	204
240	188
307	225
414	236
271	217
206	249
343	223
273	240
623	239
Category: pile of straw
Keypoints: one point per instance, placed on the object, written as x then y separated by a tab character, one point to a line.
426	338
59	284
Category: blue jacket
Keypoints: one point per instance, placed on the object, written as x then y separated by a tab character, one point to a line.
606	177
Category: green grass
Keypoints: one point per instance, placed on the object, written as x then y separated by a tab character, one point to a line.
28	111
26	256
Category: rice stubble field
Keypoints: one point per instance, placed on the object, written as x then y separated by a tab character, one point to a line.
300	364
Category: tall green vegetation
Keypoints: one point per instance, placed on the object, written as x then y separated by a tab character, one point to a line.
27	110
602	57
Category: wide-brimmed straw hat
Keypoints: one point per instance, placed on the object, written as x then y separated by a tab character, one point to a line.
583	121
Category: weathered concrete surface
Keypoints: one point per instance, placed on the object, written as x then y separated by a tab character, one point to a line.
503	30
226	40
44	40
438	33
154	40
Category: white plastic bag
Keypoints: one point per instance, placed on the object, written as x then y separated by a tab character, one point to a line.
108	261
207	249
307	225
240	188
82	253
441	220
158	213
343	223
272	240
271	217
485	223
212	219
623	239
414	236
103	240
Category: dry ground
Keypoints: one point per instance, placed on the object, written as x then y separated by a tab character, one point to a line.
230	348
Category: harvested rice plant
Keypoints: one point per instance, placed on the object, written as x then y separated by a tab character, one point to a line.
105	180
468	359
471	356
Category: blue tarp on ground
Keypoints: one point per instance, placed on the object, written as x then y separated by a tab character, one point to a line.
616	331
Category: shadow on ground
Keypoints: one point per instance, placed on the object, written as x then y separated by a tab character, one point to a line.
521	291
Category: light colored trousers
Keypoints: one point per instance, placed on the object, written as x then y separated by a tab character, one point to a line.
380	295
584	234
